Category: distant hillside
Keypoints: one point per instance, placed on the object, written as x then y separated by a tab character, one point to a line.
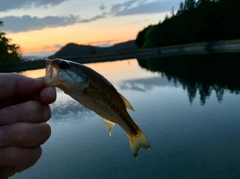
73	49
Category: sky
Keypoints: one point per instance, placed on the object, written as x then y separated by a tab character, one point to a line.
42	27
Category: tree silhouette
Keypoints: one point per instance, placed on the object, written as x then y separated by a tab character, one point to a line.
200	75
189	4
9	53
195	21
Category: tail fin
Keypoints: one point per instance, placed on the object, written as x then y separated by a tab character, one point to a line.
137	142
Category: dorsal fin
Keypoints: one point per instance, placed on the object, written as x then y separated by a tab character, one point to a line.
109	125
127	104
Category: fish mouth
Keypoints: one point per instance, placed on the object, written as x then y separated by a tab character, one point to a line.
51	75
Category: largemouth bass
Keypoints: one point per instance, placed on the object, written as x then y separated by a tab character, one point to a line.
96	93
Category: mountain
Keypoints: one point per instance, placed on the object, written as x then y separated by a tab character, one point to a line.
72	49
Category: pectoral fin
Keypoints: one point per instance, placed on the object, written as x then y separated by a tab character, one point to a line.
127	104
109	125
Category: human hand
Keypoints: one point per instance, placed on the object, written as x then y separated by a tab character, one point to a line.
24	110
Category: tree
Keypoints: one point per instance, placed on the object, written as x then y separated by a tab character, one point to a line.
189	4
9	53
172	12
195	21
202	2
181	8
141	37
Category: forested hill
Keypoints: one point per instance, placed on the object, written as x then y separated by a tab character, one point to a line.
73	49
195	21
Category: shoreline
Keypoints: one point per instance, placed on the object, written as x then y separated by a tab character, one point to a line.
231	46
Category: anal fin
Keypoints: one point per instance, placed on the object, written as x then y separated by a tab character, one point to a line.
109	125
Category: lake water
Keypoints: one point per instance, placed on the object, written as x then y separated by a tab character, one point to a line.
188	111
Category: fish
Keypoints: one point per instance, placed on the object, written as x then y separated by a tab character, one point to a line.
96	93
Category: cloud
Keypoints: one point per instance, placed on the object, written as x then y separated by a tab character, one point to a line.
17	4
45	51
38	54
54	47
121	6
105	43
92	19
27	23
143	7
102	7
146	84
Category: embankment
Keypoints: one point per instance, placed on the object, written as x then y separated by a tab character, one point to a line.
232	46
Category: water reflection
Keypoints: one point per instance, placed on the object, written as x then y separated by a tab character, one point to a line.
201	74
65	109
188	141
146	84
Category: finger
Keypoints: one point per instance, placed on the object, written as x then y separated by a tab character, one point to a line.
17	88
31	112
46	96
24	134
17	159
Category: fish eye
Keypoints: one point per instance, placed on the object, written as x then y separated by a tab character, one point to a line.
63	65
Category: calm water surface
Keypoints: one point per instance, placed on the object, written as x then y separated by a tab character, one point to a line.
193	128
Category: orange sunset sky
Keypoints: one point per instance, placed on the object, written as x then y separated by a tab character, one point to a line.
43	27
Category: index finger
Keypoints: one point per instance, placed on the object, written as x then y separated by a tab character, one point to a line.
16	88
